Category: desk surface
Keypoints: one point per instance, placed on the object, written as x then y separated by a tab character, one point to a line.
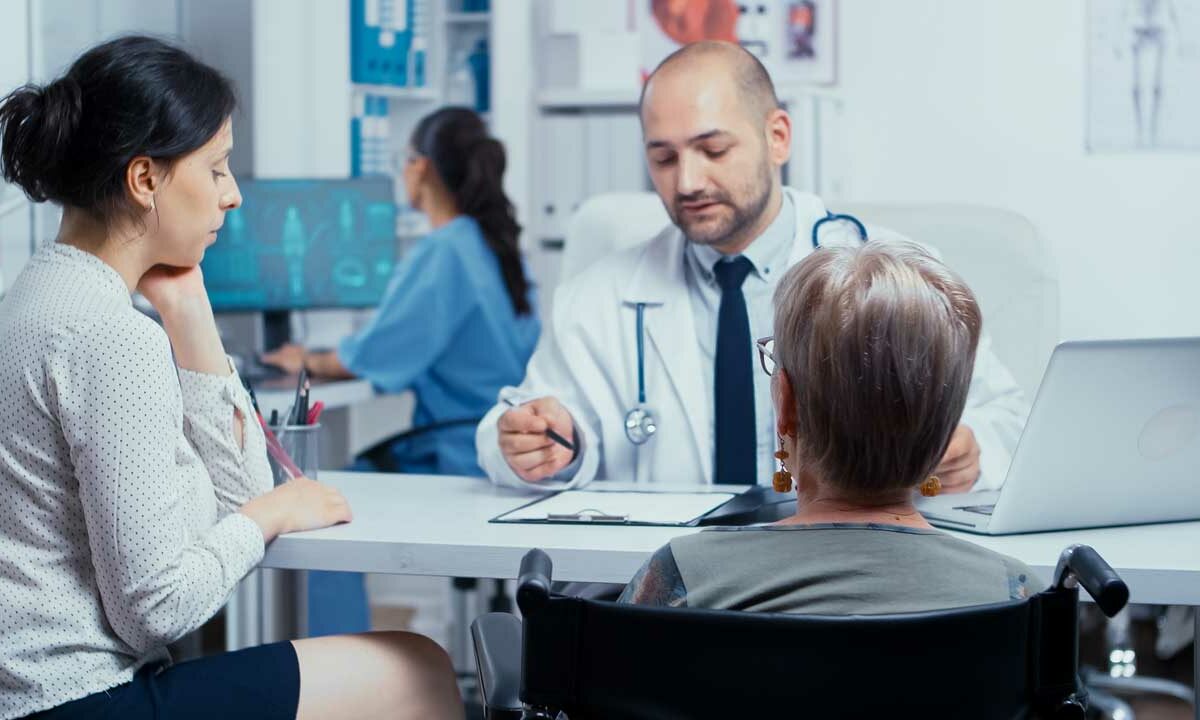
433	525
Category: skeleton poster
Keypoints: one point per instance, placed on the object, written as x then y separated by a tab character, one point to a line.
1143	66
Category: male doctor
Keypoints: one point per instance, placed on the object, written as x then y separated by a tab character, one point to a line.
715	141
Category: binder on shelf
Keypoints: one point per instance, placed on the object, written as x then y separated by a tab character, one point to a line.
356	135
380	41
420	42
370	137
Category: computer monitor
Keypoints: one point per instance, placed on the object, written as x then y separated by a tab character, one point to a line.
304	244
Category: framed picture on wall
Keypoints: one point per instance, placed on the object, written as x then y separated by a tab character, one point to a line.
1143	75
795	39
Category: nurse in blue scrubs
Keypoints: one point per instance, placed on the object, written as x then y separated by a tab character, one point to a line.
456	324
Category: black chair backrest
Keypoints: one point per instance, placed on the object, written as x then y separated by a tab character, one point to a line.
596	659
619	661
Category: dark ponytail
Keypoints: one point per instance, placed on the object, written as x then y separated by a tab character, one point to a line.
71	141
470	163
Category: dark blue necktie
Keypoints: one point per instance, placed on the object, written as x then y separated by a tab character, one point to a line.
733	381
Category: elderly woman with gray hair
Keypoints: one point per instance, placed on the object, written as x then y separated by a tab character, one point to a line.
870	366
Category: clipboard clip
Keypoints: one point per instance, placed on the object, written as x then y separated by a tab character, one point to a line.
588	515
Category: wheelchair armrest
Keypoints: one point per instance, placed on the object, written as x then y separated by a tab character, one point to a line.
497	640
1083	564
533	584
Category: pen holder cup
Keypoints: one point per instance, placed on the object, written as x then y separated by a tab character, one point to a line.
302	444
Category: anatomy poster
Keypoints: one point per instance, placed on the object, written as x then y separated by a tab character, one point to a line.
794	39
1143	85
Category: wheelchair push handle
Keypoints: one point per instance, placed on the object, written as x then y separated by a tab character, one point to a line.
533	584
1082	564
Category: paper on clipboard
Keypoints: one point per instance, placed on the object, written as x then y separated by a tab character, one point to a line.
607	506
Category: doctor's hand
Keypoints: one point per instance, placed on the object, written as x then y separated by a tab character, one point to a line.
959	468
523	440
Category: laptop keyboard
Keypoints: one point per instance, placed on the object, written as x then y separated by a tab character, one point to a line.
978	509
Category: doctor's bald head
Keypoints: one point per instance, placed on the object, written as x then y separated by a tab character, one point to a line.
715	140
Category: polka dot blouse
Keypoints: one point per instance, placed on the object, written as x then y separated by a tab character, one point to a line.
120	477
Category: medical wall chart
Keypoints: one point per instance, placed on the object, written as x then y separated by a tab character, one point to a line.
794	39
1143	75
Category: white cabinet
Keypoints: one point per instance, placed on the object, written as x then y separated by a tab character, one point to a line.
290	60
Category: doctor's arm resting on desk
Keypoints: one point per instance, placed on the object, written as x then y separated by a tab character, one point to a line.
512	442
132	455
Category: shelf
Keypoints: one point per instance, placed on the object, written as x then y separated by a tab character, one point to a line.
416	94
468	18
569	98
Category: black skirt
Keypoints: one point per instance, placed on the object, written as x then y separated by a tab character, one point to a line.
260	682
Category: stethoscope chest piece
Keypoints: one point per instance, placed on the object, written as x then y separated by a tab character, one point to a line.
640	425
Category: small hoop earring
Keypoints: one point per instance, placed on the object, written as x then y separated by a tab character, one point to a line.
782	480
931	487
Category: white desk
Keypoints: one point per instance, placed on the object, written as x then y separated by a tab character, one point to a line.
430	525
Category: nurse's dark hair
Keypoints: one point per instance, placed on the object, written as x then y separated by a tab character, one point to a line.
71	141
470	163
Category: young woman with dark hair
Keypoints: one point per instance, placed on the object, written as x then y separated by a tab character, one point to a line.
458	321
134	486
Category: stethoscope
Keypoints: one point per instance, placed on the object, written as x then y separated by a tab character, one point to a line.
832	217
640	424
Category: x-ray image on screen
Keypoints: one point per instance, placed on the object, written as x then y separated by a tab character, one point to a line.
297	244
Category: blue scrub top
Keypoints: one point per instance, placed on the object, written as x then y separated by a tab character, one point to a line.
446	329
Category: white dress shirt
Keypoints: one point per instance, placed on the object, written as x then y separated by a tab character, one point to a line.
769	256
120	478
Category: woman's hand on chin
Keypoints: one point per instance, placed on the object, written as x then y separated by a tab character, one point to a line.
171	288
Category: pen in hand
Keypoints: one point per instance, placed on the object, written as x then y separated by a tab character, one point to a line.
549	432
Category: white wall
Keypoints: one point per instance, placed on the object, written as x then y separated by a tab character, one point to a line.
14	71
974	101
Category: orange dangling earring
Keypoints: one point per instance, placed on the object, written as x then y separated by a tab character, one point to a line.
931	487
782	481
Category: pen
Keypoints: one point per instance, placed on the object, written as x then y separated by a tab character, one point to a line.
549	433
302	410
292	417
253	398
315	413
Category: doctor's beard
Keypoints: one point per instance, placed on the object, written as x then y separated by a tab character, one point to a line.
728	228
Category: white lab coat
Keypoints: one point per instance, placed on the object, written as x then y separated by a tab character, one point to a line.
589	362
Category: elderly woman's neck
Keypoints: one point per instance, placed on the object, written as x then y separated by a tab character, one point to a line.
821	502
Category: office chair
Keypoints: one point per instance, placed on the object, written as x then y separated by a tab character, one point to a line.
603	660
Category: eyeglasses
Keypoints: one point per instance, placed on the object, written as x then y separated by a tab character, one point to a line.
766	353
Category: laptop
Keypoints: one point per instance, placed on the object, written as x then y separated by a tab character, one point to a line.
1113	439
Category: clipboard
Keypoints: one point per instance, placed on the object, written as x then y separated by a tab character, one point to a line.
676	508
